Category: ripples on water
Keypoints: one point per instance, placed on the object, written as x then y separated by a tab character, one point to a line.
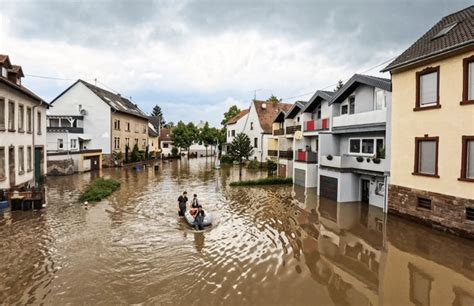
268	246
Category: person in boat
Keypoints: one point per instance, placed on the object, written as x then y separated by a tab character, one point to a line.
182	202
195	202
199	219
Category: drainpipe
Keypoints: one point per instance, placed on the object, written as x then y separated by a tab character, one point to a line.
261	150
33	116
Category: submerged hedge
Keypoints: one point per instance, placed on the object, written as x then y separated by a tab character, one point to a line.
264	181
99	189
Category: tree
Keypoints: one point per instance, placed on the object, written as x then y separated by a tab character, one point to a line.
206	136
240	149
273	99
184	135
169	125
339	85
135	154
232	112
156	112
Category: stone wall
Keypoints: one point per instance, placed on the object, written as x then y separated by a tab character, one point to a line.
447	212
60	167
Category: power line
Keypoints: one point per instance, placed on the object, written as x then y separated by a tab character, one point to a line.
48	77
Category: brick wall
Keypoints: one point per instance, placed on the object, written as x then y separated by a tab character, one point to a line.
447	213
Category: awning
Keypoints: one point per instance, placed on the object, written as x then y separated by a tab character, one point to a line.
84	138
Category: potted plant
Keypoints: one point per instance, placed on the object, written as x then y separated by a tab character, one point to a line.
376	160
359	159
368	159
329	157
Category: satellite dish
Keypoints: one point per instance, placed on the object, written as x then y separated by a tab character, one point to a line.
298	135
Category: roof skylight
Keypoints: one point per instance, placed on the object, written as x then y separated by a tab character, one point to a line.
445	30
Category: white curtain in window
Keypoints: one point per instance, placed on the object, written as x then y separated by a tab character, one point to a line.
470	86
428	88
380	100
427	157
470	159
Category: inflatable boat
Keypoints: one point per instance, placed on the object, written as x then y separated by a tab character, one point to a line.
190	219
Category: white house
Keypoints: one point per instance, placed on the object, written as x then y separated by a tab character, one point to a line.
166	144
22	130
235	125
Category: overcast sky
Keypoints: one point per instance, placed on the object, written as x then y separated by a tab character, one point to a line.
197	58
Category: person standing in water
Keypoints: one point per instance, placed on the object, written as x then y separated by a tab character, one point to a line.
195	203
199	219
182	201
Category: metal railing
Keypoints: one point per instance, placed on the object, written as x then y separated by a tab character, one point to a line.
286	154
316	125
278	132
292	129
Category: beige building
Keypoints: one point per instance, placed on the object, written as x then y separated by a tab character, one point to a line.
432	165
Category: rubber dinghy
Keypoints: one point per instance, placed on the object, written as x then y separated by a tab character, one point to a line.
190	219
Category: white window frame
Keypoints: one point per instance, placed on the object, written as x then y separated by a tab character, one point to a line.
345	103
380	188
384	104
360	145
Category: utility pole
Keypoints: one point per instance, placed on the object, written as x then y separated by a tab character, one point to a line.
255	93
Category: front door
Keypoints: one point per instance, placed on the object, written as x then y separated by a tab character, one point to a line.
38	165
365	191
11	166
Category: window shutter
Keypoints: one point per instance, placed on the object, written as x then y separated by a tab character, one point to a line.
428	88
427	163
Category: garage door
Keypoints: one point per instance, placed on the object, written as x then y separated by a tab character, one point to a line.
328	187
281	170
300	177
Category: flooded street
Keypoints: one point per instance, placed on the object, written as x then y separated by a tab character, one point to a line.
268	246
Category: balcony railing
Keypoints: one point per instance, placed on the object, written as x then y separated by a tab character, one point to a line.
286	154
68	129
278	132
352	162
307	156
292	129
272	152
372	117
316	125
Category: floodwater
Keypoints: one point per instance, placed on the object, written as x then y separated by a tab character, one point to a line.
268	246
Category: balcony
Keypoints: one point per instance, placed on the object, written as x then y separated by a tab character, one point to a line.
278	132
63	129
366	118
307	157
351	162
286	154
316	125
272	152
290	130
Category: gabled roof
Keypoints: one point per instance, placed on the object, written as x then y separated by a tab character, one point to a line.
297	107
318	96
155	121
152	133
17	69
238	116
165	134
5	61
433	44
280	117
266	112
115	101
355	81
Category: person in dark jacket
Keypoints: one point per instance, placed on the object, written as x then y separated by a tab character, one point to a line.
182	201
195	202
199	219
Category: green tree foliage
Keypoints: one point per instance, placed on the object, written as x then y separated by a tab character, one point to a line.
184	135
169	125
240	149
174	151
206	136
156	112
135	156
273	99
232	112
339	85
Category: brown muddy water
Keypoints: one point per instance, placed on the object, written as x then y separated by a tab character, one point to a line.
268	246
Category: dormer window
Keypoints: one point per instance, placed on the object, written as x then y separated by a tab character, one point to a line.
344	109
318	112
4	72
251	125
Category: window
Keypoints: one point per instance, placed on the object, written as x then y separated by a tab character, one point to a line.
344	109
251	125
2	114
255	142
137	128
445	30
354	146
427	89
127	142
116	142
128	126
144	129
467	159
73	143
39	123
144	143
318	112
21	118
136	141
60	144
233	133
116	124
470	213
29	163
21	160
365	146
2	163
424	203
11	116
228	133
165	145
351	105
426	156
468	81
28	119
4	72
380	102
420	286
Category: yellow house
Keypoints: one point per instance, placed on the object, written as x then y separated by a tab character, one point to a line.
432	165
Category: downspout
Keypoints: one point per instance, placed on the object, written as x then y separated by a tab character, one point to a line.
33	115
261	150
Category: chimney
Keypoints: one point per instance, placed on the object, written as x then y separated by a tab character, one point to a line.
264	105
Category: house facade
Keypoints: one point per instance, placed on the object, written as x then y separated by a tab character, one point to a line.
166	144
22	130
235	125
154	126
432	177
112	122
354	153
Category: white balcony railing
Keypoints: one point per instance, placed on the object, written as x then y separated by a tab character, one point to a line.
349	161
373	117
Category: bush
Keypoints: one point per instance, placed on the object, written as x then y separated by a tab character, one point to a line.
226	159
264	181
99	189
254	165
135	156
174	151
271	166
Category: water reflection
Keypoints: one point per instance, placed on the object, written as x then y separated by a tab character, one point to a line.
269	246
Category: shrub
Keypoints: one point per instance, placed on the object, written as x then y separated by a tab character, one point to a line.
226	159
174	151
271	166
135	156
254	165
264	181
99	189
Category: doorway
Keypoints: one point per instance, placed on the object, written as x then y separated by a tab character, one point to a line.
38	165
11	166
365	185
